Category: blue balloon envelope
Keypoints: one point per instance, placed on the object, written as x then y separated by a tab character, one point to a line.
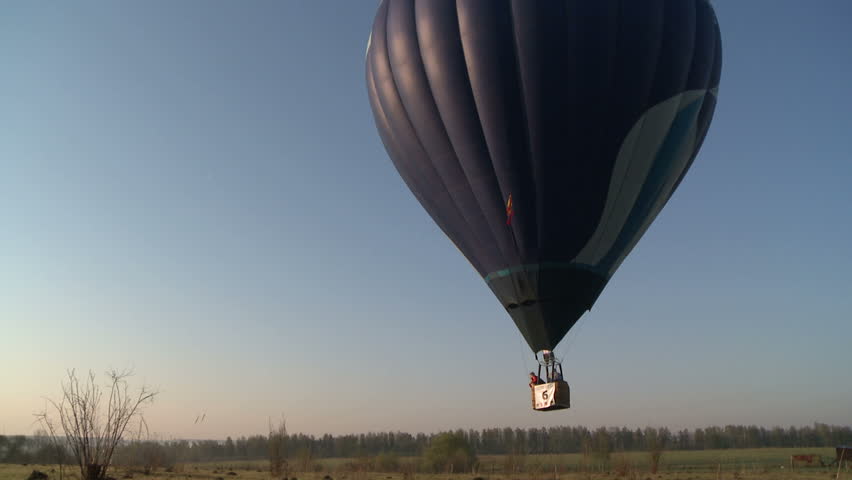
544	137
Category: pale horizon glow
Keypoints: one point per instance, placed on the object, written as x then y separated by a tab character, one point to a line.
196	190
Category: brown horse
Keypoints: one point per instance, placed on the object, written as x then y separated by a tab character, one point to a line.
806	459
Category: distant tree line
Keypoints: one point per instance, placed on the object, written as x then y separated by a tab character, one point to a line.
489	441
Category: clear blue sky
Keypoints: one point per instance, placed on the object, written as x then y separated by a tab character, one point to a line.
196	189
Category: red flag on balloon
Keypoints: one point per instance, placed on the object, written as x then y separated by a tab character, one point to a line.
509	211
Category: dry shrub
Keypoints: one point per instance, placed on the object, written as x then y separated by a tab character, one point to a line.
623	467
513	463
408	470
37	475
357	469
90	420
656	455
387	462
277	444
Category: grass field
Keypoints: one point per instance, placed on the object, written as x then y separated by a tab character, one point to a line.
748	464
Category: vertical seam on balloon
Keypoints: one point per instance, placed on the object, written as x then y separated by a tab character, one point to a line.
443	223
477	200
604	225
481	137
528	141
490	162
610	255
616	259
476	238
609	79
643	118
717	57
523	102
484	141
453	202
633	240
698	134
610	66
524	131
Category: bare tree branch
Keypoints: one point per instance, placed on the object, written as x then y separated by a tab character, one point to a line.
90	433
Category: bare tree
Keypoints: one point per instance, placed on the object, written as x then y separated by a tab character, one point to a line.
93	430
656	445
278	464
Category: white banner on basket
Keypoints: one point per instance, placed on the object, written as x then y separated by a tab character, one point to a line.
544	395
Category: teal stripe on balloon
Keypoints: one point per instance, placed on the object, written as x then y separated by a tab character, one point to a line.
535	267
665	166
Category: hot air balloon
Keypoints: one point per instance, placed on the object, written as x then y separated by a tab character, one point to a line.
544	137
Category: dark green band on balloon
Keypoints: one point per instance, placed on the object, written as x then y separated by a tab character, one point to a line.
535	267
545	299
